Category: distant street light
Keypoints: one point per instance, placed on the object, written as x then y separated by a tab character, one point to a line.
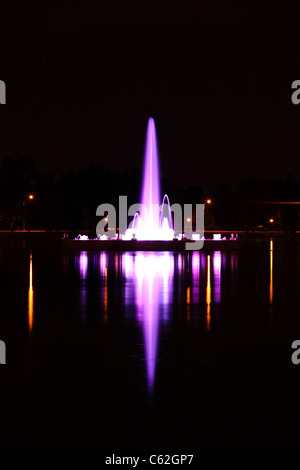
208	201
30	197
272	222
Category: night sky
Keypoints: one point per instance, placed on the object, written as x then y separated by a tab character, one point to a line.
83	77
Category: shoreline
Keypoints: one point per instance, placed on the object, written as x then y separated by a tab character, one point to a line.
53	239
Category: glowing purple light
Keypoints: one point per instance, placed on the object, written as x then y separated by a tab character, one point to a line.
148	295
217	259
151	197
83	264
83	270
196	276
103	262
150	276
151	224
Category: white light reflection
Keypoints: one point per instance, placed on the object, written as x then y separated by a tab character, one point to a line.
83	270
83	264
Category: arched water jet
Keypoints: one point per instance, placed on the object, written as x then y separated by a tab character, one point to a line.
162	214
135	222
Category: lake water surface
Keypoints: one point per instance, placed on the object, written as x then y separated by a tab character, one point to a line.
150	350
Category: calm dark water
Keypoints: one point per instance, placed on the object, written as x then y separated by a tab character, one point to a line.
150	350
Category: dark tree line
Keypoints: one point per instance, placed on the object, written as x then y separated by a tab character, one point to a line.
68	201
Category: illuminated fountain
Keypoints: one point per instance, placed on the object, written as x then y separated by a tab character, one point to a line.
151	223
152	218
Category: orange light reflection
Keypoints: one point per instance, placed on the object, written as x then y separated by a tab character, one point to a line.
188	301
271	271
30	297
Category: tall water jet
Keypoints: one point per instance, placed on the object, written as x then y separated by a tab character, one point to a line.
151	198
151	224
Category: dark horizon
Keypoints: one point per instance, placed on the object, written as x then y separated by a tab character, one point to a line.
69	200
82	81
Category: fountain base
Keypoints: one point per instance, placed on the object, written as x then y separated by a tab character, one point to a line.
147	245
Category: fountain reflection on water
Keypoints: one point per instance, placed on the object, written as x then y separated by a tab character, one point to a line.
153	282
152	276
150	285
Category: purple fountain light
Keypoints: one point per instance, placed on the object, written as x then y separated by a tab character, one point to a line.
151	197
150	225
